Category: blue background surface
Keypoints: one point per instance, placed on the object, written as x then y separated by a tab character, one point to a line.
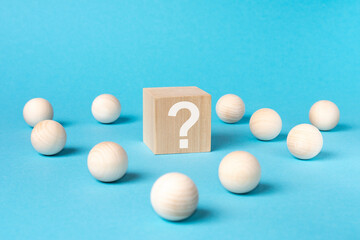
285	55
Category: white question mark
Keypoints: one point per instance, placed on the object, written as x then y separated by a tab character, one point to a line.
194	117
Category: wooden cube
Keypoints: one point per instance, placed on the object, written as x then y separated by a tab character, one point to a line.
177	120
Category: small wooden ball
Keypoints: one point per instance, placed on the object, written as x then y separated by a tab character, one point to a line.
107	162
230	108
265	124
174	196
324	115
239	172
48	137
37	110
304	141
106	108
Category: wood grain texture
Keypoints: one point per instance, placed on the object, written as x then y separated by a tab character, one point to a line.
324	115
106	108
239	172
161	132
230	108
37	110
304	141
265	124
174	196
48	137
107	161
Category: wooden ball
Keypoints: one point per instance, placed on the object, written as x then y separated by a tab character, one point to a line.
48	137
304	141
106	108
37	110
230	108
324	115
265	124
107	162
174	196
239	172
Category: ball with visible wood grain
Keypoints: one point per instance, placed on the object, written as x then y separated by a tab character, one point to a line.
304	141
324	115
265	124
37	110
107	161
106	108
230	108
239	172
174	196
48	137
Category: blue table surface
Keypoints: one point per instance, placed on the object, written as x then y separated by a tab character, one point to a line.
285	55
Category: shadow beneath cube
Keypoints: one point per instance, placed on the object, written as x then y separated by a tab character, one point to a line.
219	140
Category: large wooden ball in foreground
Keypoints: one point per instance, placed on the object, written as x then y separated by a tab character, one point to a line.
230	108
106	108
265	124
304	141
37	110
48	137
107	161
174	196
239	172
324	115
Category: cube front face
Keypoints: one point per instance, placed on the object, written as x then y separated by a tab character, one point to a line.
177	120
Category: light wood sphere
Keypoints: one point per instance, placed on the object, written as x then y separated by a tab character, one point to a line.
107	161
324	115
265	124
239	172
174	196
37	110
230	108
106	108
304	141
48	137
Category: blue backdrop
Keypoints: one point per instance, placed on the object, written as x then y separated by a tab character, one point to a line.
285	55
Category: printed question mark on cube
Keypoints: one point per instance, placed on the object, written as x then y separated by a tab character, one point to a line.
177	120
194	117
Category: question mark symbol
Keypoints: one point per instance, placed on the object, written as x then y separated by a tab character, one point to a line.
194	117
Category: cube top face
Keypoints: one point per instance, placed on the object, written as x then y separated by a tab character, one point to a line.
163	92
177	120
